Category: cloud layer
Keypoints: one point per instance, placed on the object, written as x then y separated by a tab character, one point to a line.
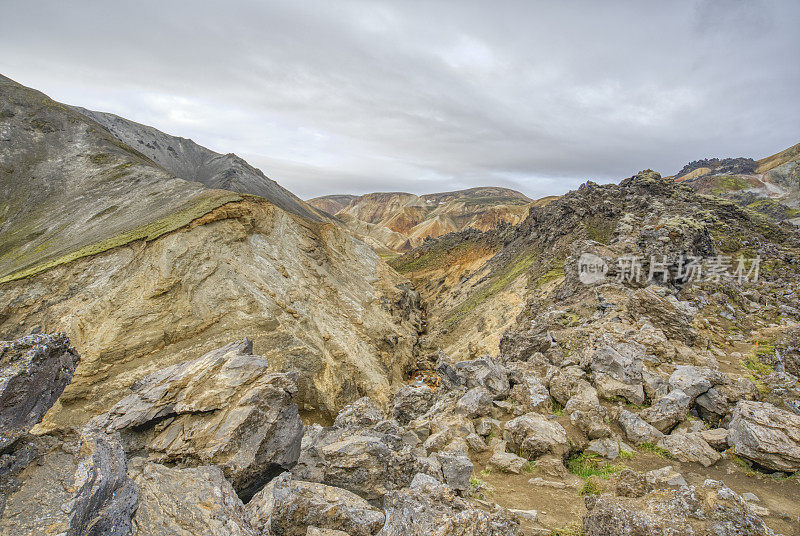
353	97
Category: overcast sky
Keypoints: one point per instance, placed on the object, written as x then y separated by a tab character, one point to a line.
342	96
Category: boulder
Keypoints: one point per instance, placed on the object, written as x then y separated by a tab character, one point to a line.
477	402
638	430
520	345
34	371
507	462
187	501
430	507
531	394
665	475
297	505
565	383
456	469
367	462
766	435
224	409
690	448
484	372
617	368
411	402
608	448
710	509
692	380
77	487
359	414
665	312
533	435
667	411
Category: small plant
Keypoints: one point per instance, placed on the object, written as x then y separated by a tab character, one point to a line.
558	409
754	365
487	471
591	487
478	489
661	452
625	455
573	529
586	465
528	467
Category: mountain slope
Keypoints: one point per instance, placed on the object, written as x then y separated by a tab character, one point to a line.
69	189
398	221
186	159
143	270
770	185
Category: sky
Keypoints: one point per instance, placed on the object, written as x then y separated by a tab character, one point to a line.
352	97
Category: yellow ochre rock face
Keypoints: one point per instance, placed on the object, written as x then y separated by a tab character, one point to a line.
313	299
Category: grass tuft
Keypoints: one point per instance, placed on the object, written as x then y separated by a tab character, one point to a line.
587	465
661	452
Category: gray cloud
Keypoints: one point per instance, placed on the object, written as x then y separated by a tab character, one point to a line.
352	96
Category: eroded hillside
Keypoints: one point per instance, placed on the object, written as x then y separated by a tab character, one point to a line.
396	222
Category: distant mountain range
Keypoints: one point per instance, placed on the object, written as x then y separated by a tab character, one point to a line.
399	221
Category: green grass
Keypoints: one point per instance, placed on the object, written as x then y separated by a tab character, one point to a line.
586	465
148	232
558	409
590	487
550	276
652	448
528	467
625	455
728	183
573	529
478	489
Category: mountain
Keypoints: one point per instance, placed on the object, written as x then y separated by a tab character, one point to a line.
143	269
186	159
398	221
770	185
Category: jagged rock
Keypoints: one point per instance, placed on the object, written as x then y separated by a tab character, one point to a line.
507	462
630	483
521	345
187	501
430	507
531	394
484	372
291	506
711	509
717	438
719	401
654	385
565	383
34	371
75	490
637	429
477	402
666	475
456	470
367	462
665	312
533	435
224	409
690	448
486	425
608	448
667	411
476	443
617	371
411	402
586	413
692	380
359	414
766	435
